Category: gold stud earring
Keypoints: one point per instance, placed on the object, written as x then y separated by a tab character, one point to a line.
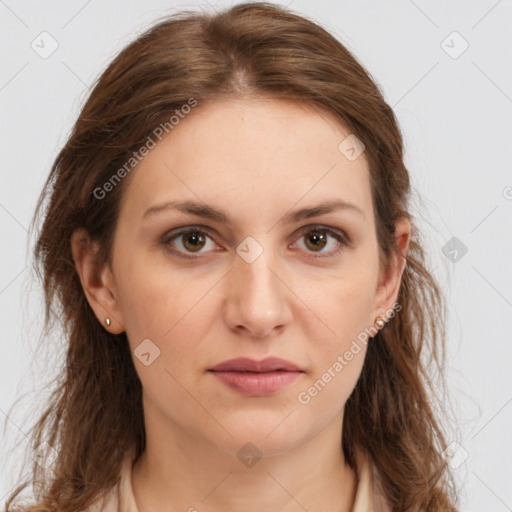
380	322
107	321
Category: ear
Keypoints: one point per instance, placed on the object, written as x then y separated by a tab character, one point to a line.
390	278
97	281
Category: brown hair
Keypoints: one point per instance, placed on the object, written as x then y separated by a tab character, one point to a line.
255	49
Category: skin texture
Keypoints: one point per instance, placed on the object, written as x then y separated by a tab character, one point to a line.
257	160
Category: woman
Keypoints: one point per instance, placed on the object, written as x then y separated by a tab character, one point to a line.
241	283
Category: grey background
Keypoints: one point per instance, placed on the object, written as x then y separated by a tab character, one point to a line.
455	111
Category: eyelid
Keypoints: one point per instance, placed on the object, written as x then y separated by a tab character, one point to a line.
342	238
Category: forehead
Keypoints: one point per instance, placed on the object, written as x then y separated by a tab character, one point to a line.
251	154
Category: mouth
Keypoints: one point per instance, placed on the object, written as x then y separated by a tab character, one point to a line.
245	364
257	378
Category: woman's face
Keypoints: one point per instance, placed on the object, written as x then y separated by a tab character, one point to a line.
268	277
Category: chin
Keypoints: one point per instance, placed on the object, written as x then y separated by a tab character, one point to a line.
260	438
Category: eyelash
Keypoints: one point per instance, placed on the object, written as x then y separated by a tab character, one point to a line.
340	236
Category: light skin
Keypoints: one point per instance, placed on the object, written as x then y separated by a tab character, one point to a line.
257	160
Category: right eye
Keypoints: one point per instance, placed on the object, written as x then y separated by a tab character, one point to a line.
188	240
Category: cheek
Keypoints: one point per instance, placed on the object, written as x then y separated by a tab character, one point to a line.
170	310
338	353
170	307
342	302
331	386
151	294
339	329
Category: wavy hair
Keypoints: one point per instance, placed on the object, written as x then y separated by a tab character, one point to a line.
95	413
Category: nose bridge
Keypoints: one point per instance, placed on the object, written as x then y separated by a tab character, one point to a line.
257	298
257	274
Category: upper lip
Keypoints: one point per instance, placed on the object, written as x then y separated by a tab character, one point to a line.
244	364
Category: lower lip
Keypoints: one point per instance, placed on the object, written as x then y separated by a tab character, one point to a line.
257	384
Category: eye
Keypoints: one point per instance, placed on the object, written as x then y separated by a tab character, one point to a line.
196	240
318	238
189	240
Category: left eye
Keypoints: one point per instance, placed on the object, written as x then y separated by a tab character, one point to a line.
317	239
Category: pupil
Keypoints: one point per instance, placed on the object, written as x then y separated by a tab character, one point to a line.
318	240
196	241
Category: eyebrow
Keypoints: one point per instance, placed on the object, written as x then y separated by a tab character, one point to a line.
221	216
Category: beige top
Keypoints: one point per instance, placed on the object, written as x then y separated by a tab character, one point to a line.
369	495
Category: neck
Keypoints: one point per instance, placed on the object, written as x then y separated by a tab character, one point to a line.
180	471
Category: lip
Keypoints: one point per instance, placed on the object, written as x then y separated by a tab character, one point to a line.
257	378
244	364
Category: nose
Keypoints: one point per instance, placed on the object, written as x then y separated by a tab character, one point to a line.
257	299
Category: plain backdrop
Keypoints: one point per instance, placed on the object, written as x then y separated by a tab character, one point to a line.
444	67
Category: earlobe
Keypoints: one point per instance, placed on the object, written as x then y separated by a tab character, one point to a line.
97	281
